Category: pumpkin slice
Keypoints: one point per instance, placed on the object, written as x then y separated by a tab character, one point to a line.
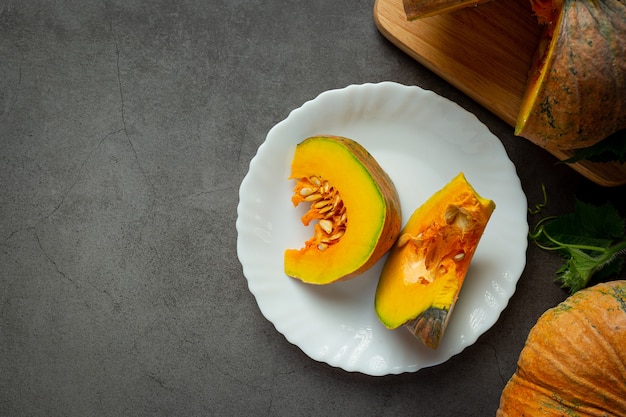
574	360
354	205
576	89
417	9
423	275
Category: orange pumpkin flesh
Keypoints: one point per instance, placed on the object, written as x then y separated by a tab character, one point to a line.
417	9
574	360
425	270
354	206
576	93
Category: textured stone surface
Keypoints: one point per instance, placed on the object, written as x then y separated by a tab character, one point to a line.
126	128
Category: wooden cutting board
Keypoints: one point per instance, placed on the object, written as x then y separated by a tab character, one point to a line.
484	51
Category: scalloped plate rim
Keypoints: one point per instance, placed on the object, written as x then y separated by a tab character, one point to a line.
366	346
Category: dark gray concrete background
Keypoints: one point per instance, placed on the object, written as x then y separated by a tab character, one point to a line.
126	127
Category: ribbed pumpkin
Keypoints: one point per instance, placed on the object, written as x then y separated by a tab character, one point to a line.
574	360
576	93
353	205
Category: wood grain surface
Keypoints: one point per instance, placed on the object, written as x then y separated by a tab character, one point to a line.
485	51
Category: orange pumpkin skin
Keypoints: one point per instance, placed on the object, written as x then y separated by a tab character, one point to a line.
574	360
576	93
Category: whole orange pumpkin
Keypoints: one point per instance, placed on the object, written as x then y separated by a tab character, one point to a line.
574	360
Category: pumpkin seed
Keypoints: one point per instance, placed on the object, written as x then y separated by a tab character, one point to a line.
326	209
403	239
457	216
337	235
326	225
313	197
326	206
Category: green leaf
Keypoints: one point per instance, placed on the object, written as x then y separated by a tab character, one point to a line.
611	149
609	270
591	240
589	221
576	272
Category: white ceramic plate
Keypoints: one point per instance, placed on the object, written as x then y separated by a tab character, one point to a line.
422	140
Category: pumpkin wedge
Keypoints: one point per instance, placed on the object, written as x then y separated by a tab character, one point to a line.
354	206
574	360
424	272
576	92
417	9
